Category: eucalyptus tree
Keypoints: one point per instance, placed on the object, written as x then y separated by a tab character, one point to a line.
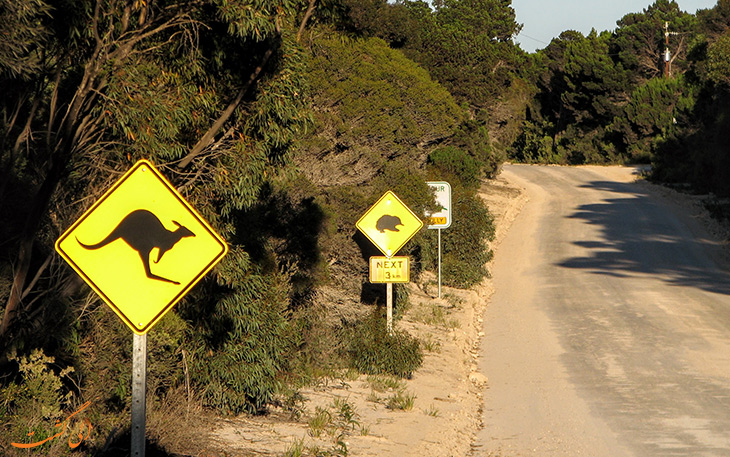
212	91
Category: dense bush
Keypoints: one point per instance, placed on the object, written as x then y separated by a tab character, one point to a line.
239	338
373	350
372	105
456	165
464	246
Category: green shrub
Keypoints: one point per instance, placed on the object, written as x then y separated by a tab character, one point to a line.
375	97
239	338
464	248
33	403
374	351
455	165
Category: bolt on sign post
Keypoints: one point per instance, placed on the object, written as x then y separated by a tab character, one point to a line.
389	224
141	247
440	219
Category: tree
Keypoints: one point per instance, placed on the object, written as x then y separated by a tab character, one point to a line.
212	91
718	61
372	106
650	114
640	40
467	46
593	83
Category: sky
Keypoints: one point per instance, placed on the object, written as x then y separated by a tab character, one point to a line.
544	20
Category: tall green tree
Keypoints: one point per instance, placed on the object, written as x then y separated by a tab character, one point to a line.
593	82
467	46
640	40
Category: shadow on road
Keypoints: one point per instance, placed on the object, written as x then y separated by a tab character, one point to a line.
642	235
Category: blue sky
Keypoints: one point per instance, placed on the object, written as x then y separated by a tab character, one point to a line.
544	19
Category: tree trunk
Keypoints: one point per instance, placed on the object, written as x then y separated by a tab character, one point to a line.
39	206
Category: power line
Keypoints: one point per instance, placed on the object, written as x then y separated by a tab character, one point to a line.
532	38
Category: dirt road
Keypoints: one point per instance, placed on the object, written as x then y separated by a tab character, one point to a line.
609	331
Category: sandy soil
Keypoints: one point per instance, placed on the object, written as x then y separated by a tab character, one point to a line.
446	392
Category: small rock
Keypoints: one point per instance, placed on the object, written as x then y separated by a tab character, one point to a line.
478	379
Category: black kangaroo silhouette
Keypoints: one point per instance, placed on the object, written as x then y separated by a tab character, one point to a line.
143	232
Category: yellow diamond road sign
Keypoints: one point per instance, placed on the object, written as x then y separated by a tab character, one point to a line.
141	247
389	224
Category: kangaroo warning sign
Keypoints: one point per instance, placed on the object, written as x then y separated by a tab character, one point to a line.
141	247
389	224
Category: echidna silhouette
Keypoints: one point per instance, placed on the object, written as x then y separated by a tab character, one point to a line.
143	232
388	222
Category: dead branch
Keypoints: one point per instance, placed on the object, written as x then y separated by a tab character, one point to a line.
307	15
207	138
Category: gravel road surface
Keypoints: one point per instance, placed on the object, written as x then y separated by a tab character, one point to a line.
609	330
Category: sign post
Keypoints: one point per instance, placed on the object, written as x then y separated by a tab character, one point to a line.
439	241
141	247
139	394
440	219
389	224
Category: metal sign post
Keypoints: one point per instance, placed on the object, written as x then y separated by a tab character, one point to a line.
139	398
389	305
439	230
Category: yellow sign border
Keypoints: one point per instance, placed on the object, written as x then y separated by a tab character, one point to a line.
387	194
184	290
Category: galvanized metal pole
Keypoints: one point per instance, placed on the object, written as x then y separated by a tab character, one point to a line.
139	387
439	230
389	303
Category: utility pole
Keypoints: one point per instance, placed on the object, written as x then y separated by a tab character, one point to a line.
667	53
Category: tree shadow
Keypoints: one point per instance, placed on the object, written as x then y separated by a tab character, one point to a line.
370	294
282	232
121	446
643	235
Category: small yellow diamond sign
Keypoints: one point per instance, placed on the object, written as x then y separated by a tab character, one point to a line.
141	247
389	224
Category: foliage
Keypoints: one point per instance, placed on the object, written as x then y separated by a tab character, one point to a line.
473	136
535	145
467	46
213	93
465	251
649	115
372	106
34	402
455	165
375	351
718	65
592	82
238	337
